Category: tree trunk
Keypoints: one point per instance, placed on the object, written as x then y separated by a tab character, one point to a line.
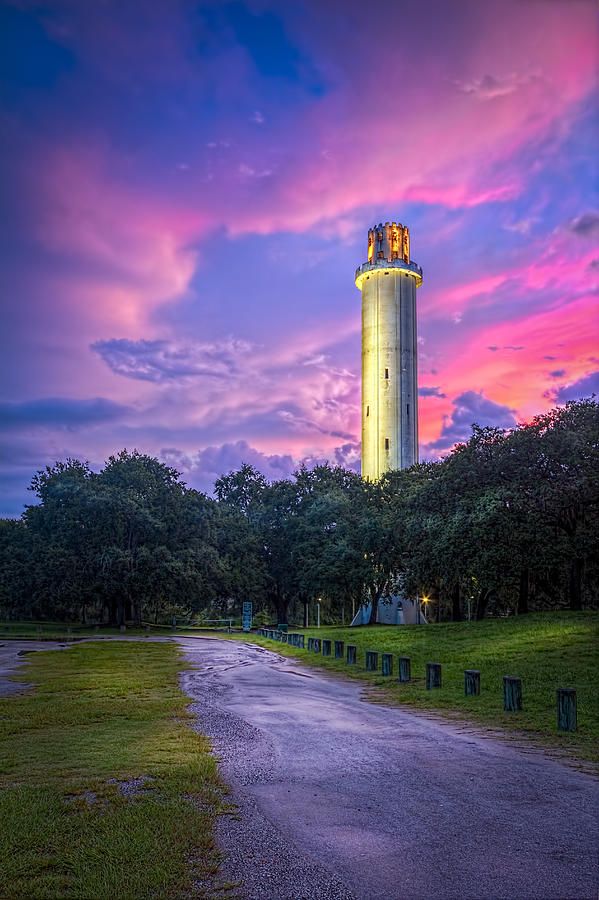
306	614
374	599
481	604
575	583
456	603
523	592
281	605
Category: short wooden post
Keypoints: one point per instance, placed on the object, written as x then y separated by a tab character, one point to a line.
326	647
512	693
387	664
310	643
567	719
339	646
301	640
472	682
433	676
405	669
352	652
316	645
372	660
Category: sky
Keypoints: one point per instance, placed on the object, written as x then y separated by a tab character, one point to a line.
186	189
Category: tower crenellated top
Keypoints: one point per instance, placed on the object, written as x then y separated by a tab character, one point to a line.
388	242
388	251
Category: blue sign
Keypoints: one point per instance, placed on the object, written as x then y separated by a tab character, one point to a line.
246	615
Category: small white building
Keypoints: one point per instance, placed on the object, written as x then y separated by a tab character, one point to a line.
394	611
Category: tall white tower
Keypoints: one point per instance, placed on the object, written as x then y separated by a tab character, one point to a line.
388	282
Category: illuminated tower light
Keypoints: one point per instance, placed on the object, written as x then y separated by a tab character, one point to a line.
388	282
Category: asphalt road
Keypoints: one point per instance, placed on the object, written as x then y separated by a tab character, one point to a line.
339	797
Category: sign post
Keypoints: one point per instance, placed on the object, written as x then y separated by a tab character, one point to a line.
246	615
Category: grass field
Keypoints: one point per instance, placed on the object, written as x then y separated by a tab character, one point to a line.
546	651
105	791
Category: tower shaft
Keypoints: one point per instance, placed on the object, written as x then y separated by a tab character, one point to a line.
388	283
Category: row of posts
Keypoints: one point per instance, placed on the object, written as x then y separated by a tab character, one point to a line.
512	687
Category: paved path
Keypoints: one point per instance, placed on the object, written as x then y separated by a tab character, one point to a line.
375	802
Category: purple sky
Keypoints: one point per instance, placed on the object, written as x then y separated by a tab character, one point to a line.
187	189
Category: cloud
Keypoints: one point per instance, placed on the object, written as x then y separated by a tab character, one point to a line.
586	225
203	467
558	373
470	408
170	361
249	172
494	348
60	412
584	387
424	391
489	87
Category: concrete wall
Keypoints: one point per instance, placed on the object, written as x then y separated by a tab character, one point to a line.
389	371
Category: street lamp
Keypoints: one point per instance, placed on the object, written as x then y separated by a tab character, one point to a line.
318	613
425	600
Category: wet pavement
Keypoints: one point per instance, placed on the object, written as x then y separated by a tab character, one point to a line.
340	797
13	655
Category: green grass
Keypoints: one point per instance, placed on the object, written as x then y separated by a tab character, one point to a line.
98	712
546	651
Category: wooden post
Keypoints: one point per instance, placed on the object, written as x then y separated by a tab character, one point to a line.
339	645
372	660
301	641
316	645
567	719
512	693
405	668
387	664
433	676
352	652
472	682
326	647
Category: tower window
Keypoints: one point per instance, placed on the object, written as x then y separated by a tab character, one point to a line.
408	410
386	443
367	410
386	373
